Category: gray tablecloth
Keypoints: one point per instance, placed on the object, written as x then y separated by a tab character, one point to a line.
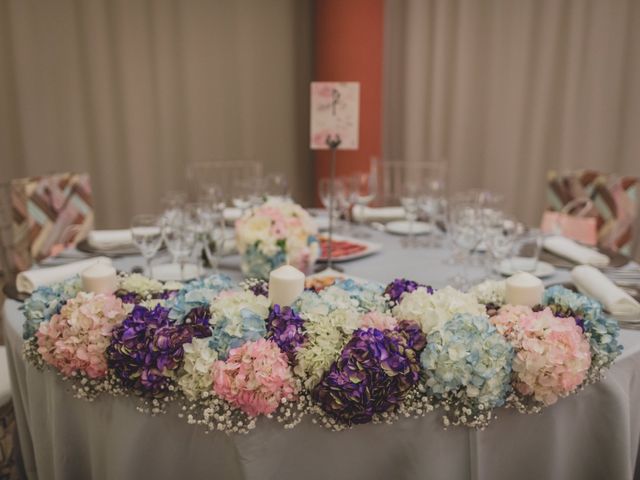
592	435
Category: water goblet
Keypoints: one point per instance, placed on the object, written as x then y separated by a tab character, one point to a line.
146	233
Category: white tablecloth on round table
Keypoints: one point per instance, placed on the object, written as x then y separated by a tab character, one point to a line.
592	435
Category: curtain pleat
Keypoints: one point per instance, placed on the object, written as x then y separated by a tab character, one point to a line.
133	91
506	90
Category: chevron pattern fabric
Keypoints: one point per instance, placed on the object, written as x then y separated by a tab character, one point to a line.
49	214
615	203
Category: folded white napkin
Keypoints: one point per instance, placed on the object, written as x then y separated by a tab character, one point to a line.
110	238
592	282
377	214
29	280
575	252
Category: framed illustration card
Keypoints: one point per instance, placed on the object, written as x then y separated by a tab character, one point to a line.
335	112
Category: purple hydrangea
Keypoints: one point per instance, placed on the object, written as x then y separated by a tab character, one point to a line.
257	286
136	298
561	311
399	286
373	374
285	328
147	347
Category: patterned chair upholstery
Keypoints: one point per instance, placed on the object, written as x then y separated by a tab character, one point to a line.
615	203
47	215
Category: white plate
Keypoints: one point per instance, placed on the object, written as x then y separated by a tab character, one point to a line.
330	272
403	227
171	272
370	248
322	222
514	265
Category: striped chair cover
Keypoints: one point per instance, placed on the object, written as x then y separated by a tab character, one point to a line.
48	214
615	203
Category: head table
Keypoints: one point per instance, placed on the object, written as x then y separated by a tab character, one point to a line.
593	434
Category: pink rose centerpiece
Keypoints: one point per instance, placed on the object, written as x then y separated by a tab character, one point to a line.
75	340
276	233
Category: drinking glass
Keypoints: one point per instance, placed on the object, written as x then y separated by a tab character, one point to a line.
146	232
277	186
213	195
363	188
173	201
339	191
180	237
410	202
432	206
464	223
500	233
528	245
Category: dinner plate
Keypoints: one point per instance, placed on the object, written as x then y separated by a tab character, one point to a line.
121	251
328	277
513	265
169	272
353	248
403	227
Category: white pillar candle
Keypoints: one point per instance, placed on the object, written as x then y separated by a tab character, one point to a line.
285	285
99	278
524	289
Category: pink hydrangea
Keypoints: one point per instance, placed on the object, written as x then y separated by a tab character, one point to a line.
255	377
553	355
378	320
75	340
509	317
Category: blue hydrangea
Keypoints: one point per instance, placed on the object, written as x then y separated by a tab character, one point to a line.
196	294
256	264
368	295
45	302
468	368
230	332
602	330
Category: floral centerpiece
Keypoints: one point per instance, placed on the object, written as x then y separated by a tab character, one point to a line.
276	233
347	354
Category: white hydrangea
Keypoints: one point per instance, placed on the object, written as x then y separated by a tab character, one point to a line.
140	284
432	311
230	304
490	291
195	377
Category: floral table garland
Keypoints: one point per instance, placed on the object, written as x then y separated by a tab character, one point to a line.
349	354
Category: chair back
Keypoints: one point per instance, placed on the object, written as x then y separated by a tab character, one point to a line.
41	216
613	203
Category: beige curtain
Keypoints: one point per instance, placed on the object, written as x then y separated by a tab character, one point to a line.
132	91
505	90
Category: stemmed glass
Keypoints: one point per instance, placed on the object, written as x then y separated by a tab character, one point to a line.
324	192
409	200
146	232
464	222
180	236
276	186
432	203
363	187
500	233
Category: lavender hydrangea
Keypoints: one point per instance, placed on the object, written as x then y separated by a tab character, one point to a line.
286	328
394	291
372	376
147	348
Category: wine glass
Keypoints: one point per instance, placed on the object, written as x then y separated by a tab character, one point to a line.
363	187
500	233
180	237
146	233
410	202
464	223
276	186
432	206
173	201
339	192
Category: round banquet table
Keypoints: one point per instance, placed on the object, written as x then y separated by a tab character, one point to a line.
591	435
